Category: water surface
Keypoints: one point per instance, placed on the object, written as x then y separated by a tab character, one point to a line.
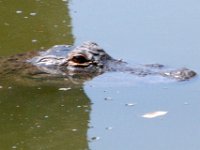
105	112
166	32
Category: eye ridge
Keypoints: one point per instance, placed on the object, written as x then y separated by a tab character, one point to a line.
80	59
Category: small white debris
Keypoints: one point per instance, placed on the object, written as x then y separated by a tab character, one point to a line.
33	14
34	40
56	45
14	147
26	17
17	106
18	11
1	87
74	130
9	87
186	103
64	89
46	116
130	104
154	114
62	105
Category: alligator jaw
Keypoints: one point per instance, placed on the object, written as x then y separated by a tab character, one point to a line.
180	74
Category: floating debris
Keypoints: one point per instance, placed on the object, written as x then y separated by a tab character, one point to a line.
154	114
33	14
14	147
26	17
9	87
64	89
95	138
1	87
108	98
19	11
74	130
46	116
34	40
109	128
130	104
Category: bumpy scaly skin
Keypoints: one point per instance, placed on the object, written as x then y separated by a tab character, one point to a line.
181	74
89	60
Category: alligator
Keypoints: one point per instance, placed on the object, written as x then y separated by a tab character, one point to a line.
85	61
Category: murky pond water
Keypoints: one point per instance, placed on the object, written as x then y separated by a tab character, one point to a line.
105	112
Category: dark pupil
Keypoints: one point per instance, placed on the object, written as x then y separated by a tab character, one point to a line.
79	59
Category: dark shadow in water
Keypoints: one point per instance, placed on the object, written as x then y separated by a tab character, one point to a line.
36	114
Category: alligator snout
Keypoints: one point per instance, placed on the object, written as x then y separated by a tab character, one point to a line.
180	74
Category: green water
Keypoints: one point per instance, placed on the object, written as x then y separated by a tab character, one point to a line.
43	118
104	113
33	25
35	115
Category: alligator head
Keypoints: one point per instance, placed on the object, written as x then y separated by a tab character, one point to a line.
89	60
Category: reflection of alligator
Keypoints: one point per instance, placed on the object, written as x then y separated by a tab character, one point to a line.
87	60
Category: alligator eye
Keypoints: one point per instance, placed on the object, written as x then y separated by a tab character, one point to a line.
79	59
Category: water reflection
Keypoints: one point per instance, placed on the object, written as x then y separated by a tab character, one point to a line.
36	115
143	32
